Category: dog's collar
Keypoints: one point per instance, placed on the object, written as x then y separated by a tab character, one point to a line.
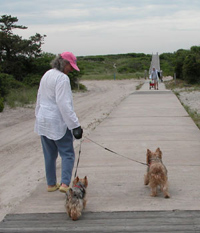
81	187
154	159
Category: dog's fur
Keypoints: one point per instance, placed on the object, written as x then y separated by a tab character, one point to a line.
76	198
156	173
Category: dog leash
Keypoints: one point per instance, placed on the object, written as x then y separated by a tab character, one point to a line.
115	152
105	148
78	158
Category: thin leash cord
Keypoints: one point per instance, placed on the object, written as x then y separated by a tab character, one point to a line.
78	159
115	152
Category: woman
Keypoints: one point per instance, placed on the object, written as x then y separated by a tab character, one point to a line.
155	78
56	120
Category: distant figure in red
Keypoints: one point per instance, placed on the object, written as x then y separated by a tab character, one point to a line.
155	78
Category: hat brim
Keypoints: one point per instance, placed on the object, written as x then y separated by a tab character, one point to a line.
74	66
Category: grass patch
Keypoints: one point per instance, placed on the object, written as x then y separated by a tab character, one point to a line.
112	76
139	86
21	97
182	86
26	96
193	114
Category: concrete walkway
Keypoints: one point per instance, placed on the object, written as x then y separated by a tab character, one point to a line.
145	119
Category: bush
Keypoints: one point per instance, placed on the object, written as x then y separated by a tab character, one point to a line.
42	64
13	84
167	63
75	77
179	61
21	97
1	105
191	69
187	64
32	80
7	82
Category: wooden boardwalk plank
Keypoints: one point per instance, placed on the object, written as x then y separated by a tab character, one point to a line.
141	221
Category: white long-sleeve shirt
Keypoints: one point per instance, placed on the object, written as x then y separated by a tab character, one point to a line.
54	108
154	75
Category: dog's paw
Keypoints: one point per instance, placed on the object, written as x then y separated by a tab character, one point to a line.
167	195
153	194
146	180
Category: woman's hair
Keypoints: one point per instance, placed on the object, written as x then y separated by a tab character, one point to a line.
59	63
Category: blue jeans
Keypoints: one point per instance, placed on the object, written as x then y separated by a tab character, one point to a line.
64	147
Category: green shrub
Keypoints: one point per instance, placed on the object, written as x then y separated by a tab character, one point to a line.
75	76
1	105
3	84
167	63
125	63
21	97
112	76
13	83
7	82
82	87
191	69
32	80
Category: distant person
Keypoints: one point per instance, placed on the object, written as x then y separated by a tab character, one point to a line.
155	78
161	76
158	72
56	122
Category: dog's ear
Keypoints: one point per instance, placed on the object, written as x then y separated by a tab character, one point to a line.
148	156
76	180
85	181
69	193
159	152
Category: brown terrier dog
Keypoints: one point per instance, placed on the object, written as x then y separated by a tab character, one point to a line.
156	173
76	198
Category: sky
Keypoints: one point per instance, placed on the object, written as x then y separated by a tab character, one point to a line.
101	27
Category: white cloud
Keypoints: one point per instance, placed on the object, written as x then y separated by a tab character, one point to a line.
65	13
109	26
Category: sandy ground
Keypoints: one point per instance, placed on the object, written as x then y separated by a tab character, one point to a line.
22	165
191	99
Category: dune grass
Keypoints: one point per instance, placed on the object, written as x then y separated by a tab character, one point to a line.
21	97
182	86
26	96
113	76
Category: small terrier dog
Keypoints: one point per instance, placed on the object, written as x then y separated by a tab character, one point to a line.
76	198
156	173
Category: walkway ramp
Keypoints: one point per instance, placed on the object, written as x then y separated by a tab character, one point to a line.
155	62
118	200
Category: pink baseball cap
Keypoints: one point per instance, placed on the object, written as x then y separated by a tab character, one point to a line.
71	59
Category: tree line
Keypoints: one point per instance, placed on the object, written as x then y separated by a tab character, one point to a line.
22	61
